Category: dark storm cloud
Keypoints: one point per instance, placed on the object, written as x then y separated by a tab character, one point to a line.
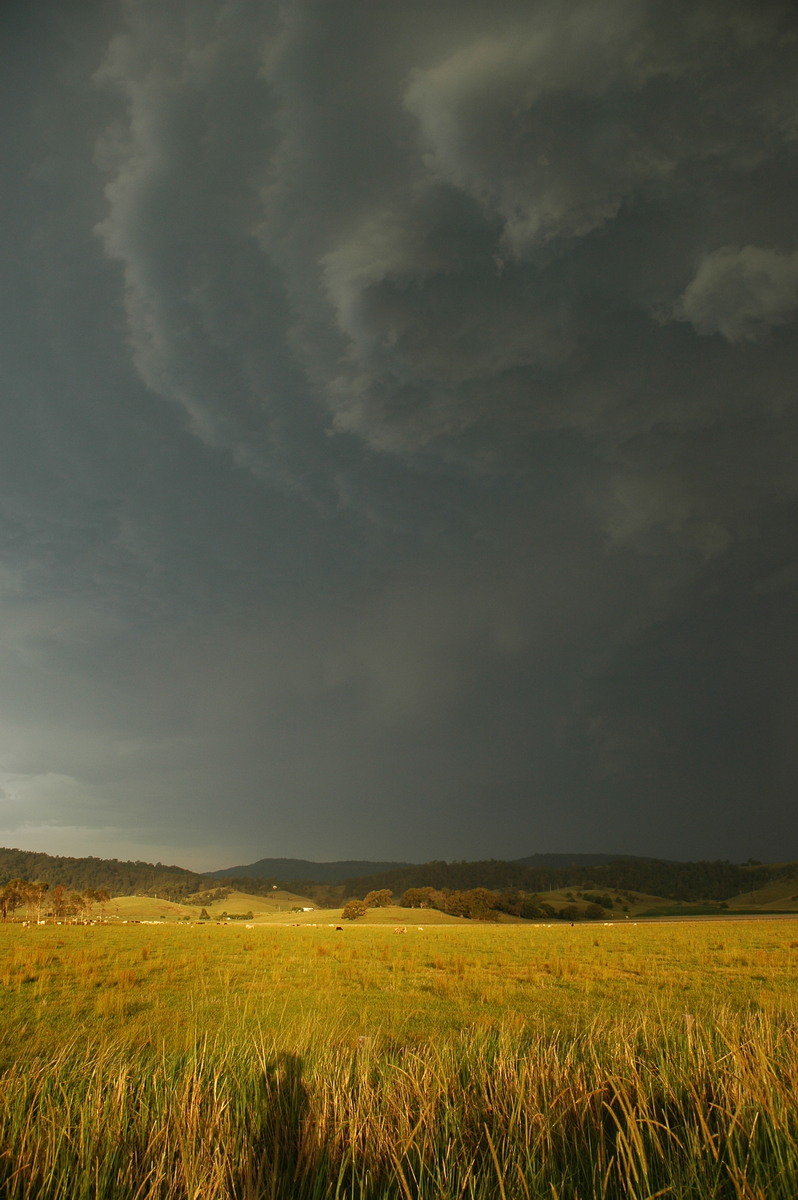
473	491
452	240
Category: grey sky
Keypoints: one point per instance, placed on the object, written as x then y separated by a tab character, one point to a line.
399	440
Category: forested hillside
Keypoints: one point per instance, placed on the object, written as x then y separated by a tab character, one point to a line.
120	878
690	881
300	869
673	880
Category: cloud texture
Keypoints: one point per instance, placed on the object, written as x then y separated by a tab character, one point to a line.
428	438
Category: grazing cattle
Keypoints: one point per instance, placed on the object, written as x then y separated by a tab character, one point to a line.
400	929
339	928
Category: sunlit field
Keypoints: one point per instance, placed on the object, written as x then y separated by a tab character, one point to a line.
450	1061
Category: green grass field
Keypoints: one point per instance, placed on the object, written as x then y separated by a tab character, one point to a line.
455	1061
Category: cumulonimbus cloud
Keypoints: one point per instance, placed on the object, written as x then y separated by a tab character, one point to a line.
517	233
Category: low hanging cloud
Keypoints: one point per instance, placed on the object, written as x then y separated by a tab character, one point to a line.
185	160
742	293
533	122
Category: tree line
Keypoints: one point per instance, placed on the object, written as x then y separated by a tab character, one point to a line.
119	878
482	904
58	903
688	881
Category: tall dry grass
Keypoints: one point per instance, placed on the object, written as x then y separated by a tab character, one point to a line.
643	1100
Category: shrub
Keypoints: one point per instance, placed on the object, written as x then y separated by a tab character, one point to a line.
604	899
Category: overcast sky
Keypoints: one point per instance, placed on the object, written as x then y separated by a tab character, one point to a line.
398	449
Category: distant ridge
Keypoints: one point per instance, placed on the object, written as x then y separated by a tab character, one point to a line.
332	882
719	880
295	869
121	878
581	860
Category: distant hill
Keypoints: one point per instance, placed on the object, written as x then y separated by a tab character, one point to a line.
690	881
577	860
329	883
294	869
336	872
120	878
297	869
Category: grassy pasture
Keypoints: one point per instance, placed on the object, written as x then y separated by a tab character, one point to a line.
778	895
454	1061
275	905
